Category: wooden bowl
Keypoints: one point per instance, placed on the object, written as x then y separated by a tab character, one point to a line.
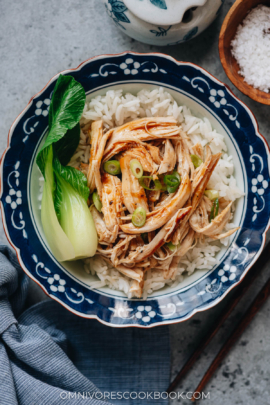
235	16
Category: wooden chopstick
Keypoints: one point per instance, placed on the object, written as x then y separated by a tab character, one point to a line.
237	332
241	290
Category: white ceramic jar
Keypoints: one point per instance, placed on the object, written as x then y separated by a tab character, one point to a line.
163	22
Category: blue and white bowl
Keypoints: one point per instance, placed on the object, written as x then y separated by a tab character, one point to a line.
67	282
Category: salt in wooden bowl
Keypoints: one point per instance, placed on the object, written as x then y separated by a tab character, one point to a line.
235	16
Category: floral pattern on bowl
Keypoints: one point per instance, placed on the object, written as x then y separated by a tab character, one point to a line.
19	188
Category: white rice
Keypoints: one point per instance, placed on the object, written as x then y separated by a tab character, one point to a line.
116	108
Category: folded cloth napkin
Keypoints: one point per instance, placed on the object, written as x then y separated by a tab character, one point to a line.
51	356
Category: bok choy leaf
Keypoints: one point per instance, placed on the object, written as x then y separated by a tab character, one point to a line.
67	222
66	146
65	112
72	176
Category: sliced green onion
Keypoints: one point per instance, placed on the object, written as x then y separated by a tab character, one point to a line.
211	194
217	207
144	237
171	180
112	167
172	189
176	174
142	182
158	185
136	168
96	201
212	213
196	160
171	246
214	210
139	217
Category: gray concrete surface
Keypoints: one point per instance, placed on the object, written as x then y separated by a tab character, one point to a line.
39	38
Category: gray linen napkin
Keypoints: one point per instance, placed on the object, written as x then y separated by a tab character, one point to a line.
51	356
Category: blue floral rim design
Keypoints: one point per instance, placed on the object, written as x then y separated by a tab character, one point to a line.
27	131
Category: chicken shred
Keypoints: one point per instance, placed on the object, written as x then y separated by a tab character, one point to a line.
161	216
144	157
133	193
111	202
169	158
199	221
180	217
98	141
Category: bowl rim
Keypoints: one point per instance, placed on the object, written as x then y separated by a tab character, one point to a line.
95	316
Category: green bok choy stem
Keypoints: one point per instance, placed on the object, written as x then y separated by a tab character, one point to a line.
67	222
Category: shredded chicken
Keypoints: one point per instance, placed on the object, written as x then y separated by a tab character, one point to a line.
136	132
136	288
199	221
141	153
98	141
174	218
198	150
184	162
104	235
133	194
111	202
161	216
181	251
169	158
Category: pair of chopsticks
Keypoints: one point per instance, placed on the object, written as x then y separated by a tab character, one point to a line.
239	329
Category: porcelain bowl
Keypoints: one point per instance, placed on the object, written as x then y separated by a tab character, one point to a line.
194	21
67	282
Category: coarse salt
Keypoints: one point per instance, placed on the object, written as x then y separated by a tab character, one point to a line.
251	48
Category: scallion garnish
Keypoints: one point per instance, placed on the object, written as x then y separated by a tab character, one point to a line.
196	160
139	217
112	167
96	201
211	194
171	180
136	168
172	189
171	246
217	207
176	174
214	210
157	184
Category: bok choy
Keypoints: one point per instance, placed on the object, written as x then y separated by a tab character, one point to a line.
67	222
